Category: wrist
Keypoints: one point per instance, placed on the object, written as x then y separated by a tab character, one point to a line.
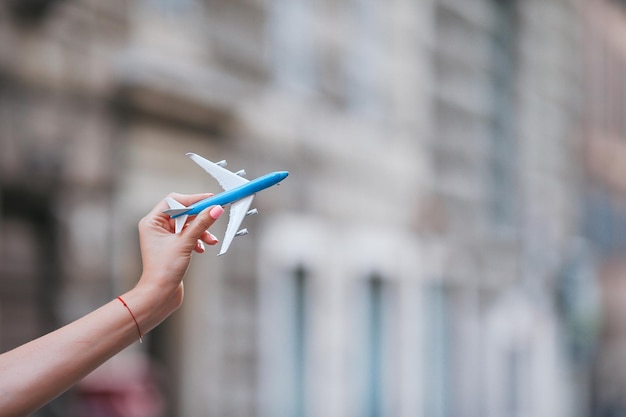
151	305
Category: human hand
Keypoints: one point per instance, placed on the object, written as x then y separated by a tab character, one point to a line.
166	255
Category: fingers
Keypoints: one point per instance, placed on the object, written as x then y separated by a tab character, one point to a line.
208	238
198	226
195	231
199	247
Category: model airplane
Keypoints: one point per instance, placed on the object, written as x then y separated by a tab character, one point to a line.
238	192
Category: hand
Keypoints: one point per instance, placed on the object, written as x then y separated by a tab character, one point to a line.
47	366
166	255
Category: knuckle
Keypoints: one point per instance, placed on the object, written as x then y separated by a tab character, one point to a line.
144	222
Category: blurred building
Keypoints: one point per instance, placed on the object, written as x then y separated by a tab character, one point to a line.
605	195
429	254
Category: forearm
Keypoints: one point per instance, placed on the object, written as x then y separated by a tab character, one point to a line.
39	371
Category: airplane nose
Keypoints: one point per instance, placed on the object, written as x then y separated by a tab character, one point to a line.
283	174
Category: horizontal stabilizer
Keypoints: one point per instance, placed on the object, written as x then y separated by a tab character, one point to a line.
177	209
176	212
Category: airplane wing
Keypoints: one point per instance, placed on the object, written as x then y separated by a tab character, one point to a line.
238	211
226	178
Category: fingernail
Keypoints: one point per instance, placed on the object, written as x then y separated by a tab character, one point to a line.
216	212
201	246
213	237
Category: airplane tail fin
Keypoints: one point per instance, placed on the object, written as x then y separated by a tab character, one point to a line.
177	208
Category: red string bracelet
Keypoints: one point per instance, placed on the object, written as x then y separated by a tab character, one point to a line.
134	319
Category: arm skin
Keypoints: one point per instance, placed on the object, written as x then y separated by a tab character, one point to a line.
39	371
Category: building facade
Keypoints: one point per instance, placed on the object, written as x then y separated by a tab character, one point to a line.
605	132
413	262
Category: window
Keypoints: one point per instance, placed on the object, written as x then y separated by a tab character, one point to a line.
291	27
364	58
300	341
502	163
438	395
517	380
174	7
605	221
369	353
374	347
343	68
285	343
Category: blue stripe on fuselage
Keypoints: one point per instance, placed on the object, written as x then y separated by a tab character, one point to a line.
232	195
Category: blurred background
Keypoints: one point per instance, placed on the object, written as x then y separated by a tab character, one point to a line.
450	243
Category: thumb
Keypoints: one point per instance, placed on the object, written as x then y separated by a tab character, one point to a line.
203	221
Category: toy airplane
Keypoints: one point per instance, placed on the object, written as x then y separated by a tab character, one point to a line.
238	192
